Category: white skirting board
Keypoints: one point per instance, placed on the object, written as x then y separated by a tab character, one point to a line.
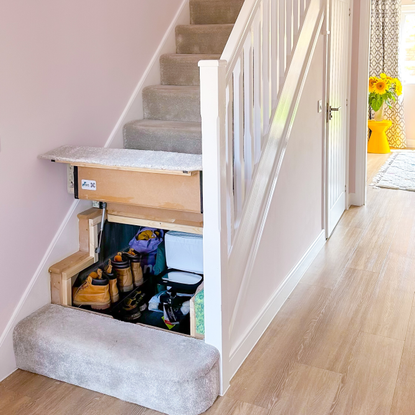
271	309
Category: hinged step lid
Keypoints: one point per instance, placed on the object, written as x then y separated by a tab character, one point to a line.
125	159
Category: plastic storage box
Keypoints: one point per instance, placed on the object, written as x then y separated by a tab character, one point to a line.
184	251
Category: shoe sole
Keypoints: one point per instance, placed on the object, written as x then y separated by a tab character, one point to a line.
94	306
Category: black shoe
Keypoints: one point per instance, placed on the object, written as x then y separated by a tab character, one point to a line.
130	310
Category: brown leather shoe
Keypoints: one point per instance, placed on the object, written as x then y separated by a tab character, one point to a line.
94	292
137	270
123	272
114	293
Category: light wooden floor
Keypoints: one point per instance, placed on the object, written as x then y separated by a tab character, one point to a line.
344	342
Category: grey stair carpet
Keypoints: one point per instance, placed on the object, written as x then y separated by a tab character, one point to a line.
170	373
182	69
214	11
118	158
209	38
172	110
174	136
172	103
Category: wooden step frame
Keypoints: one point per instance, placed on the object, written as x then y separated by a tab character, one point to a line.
64	273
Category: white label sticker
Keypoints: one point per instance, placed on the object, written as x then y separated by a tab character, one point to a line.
89	184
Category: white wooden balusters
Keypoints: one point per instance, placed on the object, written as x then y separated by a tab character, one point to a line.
248	101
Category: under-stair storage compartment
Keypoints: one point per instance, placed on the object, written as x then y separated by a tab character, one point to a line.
141	275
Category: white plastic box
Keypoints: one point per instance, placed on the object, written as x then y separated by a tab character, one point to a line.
184	251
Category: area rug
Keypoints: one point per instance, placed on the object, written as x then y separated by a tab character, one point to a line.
398	172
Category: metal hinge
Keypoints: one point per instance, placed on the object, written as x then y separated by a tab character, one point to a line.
350	11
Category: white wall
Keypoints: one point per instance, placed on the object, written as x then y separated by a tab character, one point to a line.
68	70
295	220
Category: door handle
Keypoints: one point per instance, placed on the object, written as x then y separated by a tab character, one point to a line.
330	109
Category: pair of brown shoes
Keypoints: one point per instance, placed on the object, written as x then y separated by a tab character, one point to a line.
97	291
127	268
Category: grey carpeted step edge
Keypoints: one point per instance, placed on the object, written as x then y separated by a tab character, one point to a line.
214	11
209	38
169	373
125	158
172	103
174	136
181	69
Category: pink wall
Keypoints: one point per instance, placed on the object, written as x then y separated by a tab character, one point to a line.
296	214
68	69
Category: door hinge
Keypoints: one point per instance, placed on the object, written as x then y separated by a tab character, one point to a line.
350	11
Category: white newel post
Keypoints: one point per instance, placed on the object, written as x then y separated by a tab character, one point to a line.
215	234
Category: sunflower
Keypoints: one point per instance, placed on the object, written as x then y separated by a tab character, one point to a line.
398	86
372	82
380	87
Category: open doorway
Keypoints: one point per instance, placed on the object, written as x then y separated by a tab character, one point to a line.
386	28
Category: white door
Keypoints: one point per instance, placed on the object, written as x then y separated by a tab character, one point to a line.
337	114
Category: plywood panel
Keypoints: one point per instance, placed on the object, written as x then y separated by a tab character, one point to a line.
162	191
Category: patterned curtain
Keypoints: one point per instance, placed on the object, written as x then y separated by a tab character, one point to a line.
384	58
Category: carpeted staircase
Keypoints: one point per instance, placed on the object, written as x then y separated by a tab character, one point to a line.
172	109
170	373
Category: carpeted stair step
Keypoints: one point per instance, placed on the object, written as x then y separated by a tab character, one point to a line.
163	371
207	38
174	136
214	11
182	69
172	103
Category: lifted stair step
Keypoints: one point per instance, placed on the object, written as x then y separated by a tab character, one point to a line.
154	179
118	158
170	373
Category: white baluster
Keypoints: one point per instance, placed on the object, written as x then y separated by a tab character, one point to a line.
238	126
274	53
248	111
230	209
265	67
257	87
296	19
282	52
289	27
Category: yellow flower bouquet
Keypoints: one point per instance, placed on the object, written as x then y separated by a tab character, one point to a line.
383	89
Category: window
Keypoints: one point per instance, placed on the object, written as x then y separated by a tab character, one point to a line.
407	48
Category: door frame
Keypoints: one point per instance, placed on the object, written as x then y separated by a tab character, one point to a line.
358	198
348	112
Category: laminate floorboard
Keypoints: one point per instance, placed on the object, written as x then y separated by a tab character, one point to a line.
370	380
404	398
308	391
339	325
342	344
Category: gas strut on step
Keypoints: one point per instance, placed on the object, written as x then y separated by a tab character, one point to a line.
103	206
